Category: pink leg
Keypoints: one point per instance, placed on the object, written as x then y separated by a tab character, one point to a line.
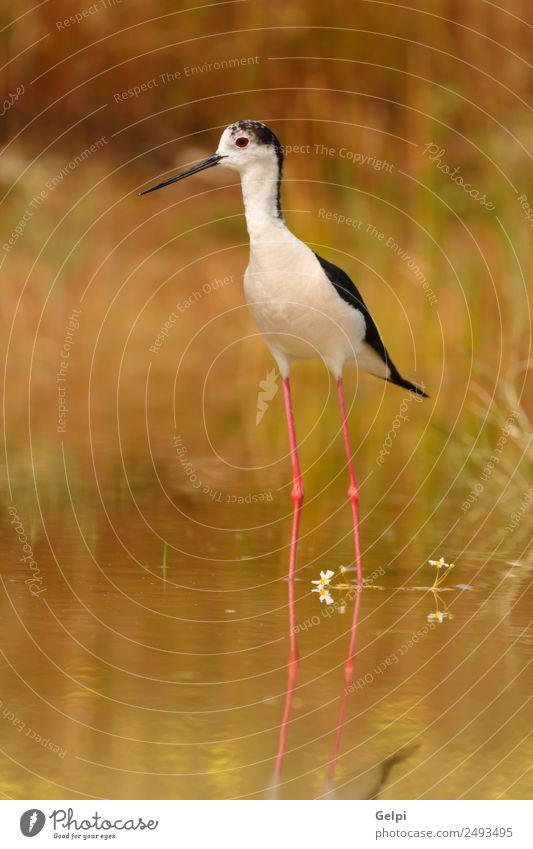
293	664
353	491
297	493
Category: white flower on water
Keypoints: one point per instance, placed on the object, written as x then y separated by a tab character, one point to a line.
440	616
325	578
323	593
440	563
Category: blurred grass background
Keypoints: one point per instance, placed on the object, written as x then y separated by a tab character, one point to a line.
379	79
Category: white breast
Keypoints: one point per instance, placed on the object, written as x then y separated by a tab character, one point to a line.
296	307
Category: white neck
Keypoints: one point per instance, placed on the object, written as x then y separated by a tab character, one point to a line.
260	194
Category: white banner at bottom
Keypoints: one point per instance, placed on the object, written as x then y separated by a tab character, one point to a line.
263	824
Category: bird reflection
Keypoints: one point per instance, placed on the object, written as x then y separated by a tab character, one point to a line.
349	669
371	781
441	611
367	784
293	663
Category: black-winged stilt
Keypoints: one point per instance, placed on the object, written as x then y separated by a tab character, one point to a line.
304	306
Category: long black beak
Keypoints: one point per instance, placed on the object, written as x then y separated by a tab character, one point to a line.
207	163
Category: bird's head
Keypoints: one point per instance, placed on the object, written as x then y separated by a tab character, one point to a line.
248	143
243	145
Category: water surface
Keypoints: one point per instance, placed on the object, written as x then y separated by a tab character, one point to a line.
156	661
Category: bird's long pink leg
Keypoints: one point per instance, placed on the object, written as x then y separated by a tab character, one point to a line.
293	663
353	491
297	493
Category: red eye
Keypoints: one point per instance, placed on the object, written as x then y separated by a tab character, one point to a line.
242	142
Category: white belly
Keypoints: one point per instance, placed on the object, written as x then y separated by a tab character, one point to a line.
297	308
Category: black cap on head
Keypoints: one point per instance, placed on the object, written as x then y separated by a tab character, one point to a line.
261	134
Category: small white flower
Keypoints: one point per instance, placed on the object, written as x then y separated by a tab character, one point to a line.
325	578
438	616
440	563
323	594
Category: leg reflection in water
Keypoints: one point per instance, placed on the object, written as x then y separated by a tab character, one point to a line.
368	783
293	666
365	782
349	668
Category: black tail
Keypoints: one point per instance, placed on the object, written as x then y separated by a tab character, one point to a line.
398	380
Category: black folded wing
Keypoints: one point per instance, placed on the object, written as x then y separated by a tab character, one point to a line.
347	290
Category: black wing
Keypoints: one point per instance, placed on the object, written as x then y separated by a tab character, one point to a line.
349	293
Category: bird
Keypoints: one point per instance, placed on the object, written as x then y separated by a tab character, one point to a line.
305	306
